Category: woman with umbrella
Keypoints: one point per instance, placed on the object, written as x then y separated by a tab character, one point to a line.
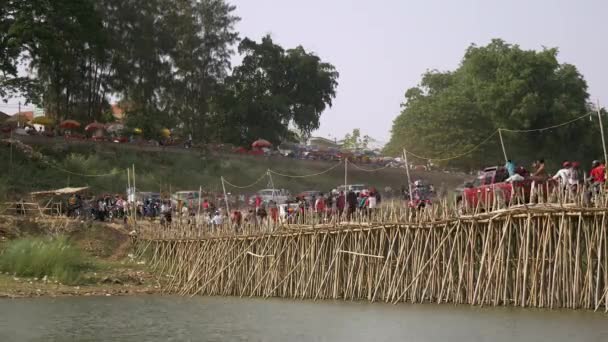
68	126
97	129
260	146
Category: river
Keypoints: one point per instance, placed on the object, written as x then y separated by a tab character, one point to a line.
156	318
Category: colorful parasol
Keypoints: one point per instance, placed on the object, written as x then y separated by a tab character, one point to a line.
69	124
261	143
95	126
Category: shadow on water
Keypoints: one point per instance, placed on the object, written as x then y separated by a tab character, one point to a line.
154	318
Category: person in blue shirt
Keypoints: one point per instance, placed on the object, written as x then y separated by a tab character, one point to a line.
510	166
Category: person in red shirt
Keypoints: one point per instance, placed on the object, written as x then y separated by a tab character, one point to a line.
598	172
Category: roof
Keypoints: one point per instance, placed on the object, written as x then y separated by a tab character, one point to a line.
29	114
62	191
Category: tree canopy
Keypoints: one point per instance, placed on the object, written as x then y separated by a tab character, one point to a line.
274	88
498	86
355	141
168	64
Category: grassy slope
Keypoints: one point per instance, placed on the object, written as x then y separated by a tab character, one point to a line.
182	170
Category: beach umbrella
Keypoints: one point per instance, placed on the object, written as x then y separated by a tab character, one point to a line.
165	132
115	127
69	124
137	131
261	143
95	126
43	120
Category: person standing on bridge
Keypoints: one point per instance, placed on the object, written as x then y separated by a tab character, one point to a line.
352	201
341	203
510	166
563	175
598	173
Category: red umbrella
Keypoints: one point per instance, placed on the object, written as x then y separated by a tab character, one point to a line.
69	124
261	143
94	126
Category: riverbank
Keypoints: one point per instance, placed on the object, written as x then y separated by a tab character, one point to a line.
107	247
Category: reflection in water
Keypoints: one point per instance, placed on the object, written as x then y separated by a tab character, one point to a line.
234	319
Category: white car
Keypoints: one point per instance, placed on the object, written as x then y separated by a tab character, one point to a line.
279	196
356	188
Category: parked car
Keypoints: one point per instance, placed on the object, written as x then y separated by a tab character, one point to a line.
279	196
356	188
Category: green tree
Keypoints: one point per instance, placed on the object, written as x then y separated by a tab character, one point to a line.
355	141
497	86
272	89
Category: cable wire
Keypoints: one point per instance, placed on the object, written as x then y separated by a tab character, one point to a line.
545	128
113	173
305	176
457	156
246	186
368	170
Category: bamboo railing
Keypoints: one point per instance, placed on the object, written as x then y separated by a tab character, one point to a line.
551	255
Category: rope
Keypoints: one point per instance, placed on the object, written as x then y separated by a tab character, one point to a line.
457	156
305	176
504	130
246	186
368	170
545	128
113	173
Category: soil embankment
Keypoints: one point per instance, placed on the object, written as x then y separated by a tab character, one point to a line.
107	246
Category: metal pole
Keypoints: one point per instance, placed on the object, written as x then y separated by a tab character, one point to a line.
504	152
345	175
134	195
407	171
271	184
129	203
599	117
225	197
200	194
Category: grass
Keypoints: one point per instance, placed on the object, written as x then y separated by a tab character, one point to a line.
184	170
39	257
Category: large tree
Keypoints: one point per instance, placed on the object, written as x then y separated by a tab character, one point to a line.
272	89
497	86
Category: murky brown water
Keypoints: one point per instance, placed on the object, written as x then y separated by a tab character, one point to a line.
234	319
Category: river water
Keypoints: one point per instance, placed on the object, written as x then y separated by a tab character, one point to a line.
155	318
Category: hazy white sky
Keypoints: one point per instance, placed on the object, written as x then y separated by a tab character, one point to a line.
382	47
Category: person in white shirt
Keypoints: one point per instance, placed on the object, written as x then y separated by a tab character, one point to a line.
563	175
371	201
217	219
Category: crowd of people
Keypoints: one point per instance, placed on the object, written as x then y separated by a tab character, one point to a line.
570	177
319	208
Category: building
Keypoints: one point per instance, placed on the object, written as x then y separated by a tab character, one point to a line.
324	143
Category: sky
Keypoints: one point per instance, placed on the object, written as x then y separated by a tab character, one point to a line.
381	48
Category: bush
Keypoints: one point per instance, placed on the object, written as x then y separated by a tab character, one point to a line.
39	257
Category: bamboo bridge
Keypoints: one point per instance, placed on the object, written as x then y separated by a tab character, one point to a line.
544	256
